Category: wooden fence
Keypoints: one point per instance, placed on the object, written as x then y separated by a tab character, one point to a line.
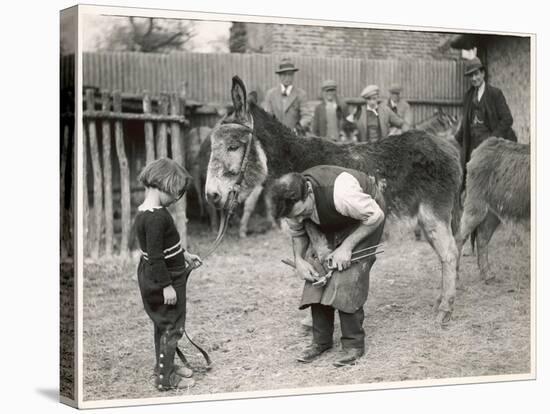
98	212
427	84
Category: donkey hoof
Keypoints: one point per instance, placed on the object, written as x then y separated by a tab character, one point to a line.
490	280
242	234
443	318
436	304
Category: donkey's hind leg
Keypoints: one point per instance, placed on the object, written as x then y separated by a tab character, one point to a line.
473	214
440	236
485	231
249	207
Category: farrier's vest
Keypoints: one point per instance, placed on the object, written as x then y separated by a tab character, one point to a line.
322	178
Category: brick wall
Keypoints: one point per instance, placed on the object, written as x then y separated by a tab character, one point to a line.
348	42
508	64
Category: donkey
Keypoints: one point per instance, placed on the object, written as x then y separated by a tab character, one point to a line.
422	173
249	204
497	189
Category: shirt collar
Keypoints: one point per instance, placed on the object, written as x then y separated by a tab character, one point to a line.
375	110
288	89
480	91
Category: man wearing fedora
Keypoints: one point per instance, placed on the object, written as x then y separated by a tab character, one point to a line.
329	115
375	120
485	112
285	101
399	106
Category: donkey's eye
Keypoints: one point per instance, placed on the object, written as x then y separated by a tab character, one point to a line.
230	173
233	147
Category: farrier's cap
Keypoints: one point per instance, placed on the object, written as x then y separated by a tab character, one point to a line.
329	85
472	65
370	91
286	65
395	88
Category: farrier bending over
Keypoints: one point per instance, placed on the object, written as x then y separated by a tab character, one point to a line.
347	208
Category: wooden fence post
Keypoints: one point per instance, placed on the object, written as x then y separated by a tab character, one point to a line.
124	177
149	134
95	240
107	176
178	156
162	145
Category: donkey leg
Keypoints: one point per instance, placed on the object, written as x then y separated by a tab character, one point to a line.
249	207
269	210
484	233
440	236
474	213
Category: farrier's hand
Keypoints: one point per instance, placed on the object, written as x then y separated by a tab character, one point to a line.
170	297
305	270
340	258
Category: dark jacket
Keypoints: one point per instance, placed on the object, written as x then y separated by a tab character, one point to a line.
319	122
498	117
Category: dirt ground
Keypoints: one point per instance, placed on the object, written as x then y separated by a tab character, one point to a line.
243	308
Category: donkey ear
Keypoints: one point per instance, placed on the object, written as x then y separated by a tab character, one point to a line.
240	104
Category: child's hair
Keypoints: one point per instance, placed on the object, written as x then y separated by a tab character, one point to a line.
287	191
166	175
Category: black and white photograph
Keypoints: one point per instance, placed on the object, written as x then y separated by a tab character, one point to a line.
256	206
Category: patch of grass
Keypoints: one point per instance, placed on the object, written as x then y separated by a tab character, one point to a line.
242	306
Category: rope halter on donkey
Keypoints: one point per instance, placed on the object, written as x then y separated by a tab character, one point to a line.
233	196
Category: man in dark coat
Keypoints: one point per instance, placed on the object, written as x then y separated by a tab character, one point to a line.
485	113
345	208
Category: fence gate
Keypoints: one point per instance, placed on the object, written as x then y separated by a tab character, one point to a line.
102	112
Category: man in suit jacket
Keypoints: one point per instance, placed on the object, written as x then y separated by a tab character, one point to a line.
285	101
375	120
329	115
400	107
485	112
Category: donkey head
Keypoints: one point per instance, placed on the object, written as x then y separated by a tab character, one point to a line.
237	162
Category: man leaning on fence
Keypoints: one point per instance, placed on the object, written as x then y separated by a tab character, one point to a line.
375	120
330	114
399	106
285	101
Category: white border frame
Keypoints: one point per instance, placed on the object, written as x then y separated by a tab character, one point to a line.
79	282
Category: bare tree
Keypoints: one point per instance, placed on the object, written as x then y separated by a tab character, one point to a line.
151	35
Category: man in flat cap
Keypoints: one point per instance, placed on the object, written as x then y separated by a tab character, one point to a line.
485	112
285	101
329	115
375	120
399	106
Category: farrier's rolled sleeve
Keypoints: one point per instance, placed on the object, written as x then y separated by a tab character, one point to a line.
351	201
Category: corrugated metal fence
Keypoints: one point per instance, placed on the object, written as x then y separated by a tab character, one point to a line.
427	83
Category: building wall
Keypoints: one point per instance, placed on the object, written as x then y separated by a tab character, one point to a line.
508	65
348	42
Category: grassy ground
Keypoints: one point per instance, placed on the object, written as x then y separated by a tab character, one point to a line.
242	306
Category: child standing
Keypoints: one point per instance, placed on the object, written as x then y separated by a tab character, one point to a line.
164	267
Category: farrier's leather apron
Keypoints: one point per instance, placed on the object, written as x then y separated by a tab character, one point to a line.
348	290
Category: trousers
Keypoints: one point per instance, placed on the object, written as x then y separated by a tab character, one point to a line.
351	324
